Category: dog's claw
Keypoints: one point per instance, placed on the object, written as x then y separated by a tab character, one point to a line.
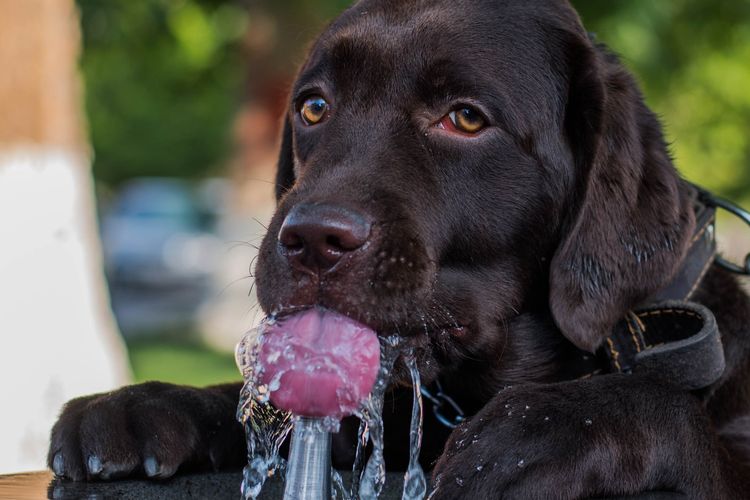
152	467
94	465
58	464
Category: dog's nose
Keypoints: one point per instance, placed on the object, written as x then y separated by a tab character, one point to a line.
317	236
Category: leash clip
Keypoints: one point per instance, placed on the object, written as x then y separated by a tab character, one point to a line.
440	402
714	201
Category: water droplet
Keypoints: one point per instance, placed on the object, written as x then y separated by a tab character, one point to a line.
275	383
289	353
459	481
521	463
546	419
479	468
588	421
527	407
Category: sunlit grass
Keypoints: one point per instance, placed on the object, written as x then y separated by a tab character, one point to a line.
169	360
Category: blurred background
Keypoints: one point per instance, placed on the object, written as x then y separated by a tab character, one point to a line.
137	151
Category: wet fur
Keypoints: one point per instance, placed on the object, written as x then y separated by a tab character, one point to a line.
504	258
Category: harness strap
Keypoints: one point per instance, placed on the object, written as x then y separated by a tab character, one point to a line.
678	340
700	254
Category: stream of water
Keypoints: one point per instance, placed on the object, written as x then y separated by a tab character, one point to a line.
373	477
266	428
415	483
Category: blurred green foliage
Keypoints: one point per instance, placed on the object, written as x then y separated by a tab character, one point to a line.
692	58
163	77
162	82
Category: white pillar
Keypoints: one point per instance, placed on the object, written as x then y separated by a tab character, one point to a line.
58	338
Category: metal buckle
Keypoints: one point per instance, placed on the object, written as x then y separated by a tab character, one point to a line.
712	200
440	401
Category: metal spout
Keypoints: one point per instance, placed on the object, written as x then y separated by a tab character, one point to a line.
308	473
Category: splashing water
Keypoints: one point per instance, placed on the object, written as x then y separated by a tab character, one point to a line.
265	426
415	483
373	476
338	490
363	435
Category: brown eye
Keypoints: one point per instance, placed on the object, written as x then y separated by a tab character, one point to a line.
314	110
467	120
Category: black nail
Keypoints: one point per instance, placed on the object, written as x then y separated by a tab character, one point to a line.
58	464
151	466
95	465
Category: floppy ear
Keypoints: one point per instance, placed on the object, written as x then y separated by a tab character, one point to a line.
285	166
634	219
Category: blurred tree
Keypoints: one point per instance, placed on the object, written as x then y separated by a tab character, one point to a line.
162	80
693	60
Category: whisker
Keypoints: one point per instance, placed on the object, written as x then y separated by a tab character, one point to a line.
252	263
264	181
234	282
237	244
260	223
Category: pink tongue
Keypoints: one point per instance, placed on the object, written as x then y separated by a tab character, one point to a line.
318	363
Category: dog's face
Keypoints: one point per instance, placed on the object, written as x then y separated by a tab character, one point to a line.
440	176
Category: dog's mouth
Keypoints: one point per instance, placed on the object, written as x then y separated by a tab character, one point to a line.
321	362
318	363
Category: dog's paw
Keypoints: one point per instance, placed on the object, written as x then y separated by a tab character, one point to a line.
613	435
149	430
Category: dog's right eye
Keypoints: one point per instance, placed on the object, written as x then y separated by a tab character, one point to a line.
464	120
314	110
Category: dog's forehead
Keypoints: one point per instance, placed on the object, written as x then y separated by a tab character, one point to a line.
380	38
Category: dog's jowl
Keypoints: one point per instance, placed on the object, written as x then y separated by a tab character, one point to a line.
481	178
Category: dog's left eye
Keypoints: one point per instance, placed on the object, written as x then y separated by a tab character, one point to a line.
314	110
465	120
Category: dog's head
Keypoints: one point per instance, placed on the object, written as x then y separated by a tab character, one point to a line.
448	166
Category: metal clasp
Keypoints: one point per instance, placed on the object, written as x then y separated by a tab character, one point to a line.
440	402
712	200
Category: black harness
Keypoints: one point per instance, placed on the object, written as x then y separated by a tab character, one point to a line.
668	334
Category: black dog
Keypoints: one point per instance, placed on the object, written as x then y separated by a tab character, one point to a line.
481	178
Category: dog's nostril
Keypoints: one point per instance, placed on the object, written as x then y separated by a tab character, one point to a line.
317	236
291	241
335	243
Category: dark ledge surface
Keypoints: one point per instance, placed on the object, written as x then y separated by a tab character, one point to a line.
219	486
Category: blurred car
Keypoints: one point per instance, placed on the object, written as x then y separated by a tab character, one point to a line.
156	234
160	251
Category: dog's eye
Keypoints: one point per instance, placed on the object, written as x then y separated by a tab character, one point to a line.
464	120
314	110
